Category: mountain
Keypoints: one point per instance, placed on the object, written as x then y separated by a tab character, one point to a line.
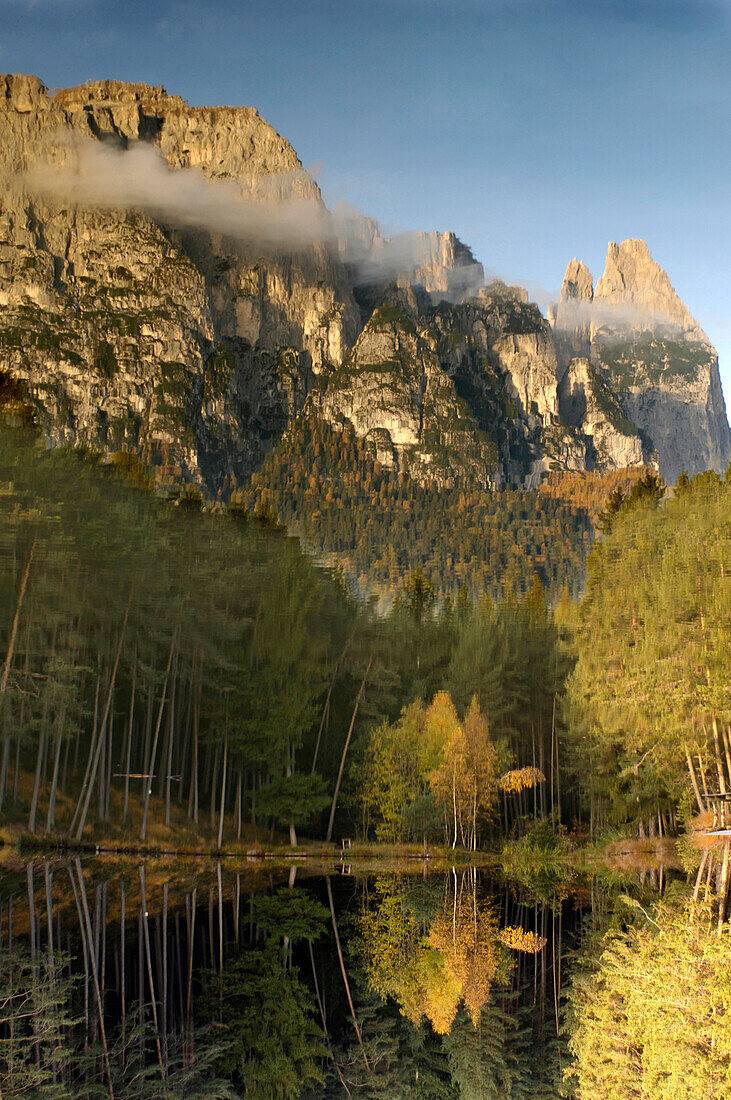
634	334
171	283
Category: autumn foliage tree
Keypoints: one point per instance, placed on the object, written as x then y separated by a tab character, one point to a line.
428	773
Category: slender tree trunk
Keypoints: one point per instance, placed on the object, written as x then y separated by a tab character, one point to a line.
290	770
553	734
153	752
454	803
123	962
474	816
185	753
214	786
693	780
238	805
719	763
37	781
169	764
343	971
223	794
5	767
105	719
102	771
16	773
326	708
148	736
51	817
191	942
703	776
345	752
727	751
148	955
127	765
130	733
16	619
193	798
558	769
84	912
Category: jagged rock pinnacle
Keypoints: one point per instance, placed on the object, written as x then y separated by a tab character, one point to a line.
577	282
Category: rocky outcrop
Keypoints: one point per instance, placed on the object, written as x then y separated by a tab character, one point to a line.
439	263
639	292
190	346
394	391
651	356
187	299
612	440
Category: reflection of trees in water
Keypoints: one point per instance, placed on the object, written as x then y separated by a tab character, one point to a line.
142	1002
434	949
421	989
473	993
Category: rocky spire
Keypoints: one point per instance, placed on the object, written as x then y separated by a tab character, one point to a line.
577	282
642	292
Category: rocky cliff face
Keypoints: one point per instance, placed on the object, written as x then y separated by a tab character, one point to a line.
171	331
650	354
190	346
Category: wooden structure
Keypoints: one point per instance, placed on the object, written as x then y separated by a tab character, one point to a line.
719	804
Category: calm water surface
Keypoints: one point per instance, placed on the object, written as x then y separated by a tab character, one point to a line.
144	980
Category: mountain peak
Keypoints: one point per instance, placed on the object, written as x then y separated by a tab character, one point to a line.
633	279
577	282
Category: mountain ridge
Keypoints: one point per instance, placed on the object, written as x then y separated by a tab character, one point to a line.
134	328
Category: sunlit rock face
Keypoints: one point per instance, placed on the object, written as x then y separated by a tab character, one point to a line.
651	354
187	299
190	346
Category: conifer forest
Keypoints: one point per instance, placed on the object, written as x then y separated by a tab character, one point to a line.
271	833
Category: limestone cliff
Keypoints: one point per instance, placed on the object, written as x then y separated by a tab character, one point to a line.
190	311
650	354
189	346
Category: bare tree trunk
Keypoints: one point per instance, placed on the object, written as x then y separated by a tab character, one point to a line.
345	751
693	780
290	770
148	736
723	888
223	794
123	959
37	781
128	746
238	805
153	751
148	955
171	732
127	765
5	768
454	803
193	796
343	970
102	771
719	762
16	619
214	785
51	816
191	940
94	972
727	751
105	718
326	708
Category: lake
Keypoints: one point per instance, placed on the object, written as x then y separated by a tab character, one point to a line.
146	979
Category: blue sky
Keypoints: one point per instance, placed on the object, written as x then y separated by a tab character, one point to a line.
535	130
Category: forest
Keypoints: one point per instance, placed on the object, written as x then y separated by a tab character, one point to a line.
169	665
182	676
329	487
